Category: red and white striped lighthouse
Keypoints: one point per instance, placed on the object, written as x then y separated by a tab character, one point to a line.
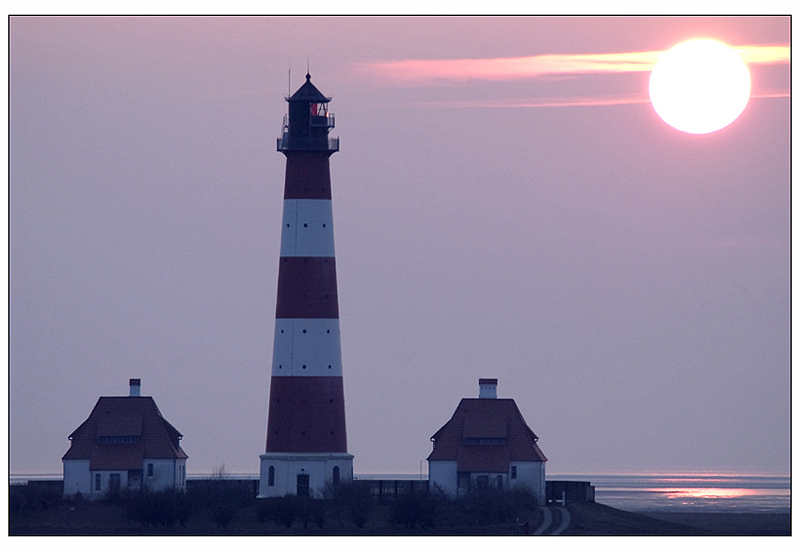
306	437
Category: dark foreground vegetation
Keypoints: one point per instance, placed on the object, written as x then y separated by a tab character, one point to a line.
226	507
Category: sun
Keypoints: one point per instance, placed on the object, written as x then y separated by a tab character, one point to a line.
699	86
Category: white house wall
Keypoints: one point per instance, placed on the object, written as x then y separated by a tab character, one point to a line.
443	474
530	475
167	473
77	478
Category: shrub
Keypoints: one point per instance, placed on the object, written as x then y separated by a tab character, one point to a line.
318	513
415	509
353	499
33	496
223	514
277	510
158	509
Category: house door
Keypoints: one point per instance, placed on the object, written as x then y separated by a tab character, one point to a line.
302	485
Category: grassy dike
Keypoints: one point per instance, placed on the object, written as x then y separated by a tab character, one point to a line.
224	509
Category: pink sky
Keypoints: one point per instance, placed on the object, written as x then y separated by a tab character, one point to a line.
628	284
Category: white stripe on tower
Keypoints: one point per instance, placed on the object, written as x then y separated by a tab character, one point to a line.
307	228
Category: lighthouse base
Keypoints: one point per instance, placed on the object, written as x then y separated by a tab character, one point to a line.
304	474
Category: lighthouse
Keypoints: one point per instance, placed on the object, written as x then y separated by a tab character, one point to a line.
306	437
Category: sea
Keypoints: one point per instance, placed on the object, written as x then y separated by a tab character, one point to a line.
708	493
682	493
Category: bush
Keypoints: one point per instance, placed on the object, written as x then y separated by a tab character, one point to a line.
318	513
278	510
33	496
158	509
220	499
212	492
352	499
415	509
223	514
497	506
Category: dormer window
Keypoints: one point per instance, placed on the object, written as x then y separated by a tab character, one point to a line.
484	440
105	439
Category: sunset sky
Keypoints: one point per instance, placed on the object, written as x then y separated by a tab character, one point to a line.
507	204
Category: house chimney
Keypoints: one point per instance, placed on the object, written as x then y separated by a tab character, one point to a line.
135	386
488	388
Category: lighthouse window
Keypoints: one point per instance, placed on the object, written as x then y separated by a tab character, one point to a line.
323	225
304	366
304	331
271	476
305	225
336	475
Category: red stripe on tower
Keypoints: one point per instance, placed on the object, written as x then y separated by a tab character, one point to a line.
306	436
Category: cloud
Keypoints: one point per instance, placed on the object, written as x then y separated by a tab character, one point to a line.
566	101
571	101
430	71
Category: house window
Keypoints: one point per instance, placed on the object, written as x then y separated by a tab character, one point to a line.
336	475
303	488
513	472
149	469
271	476
97	480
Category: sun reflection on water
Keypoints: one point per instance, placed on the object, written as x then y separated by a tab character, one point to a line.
705	493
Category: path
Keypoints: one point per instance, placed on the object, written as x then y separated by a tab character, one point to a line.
553	516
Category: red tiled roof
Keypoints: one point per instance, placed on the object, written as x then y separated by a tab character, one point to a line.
495	419
484	458
117	456
476	424
118	423
124	417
